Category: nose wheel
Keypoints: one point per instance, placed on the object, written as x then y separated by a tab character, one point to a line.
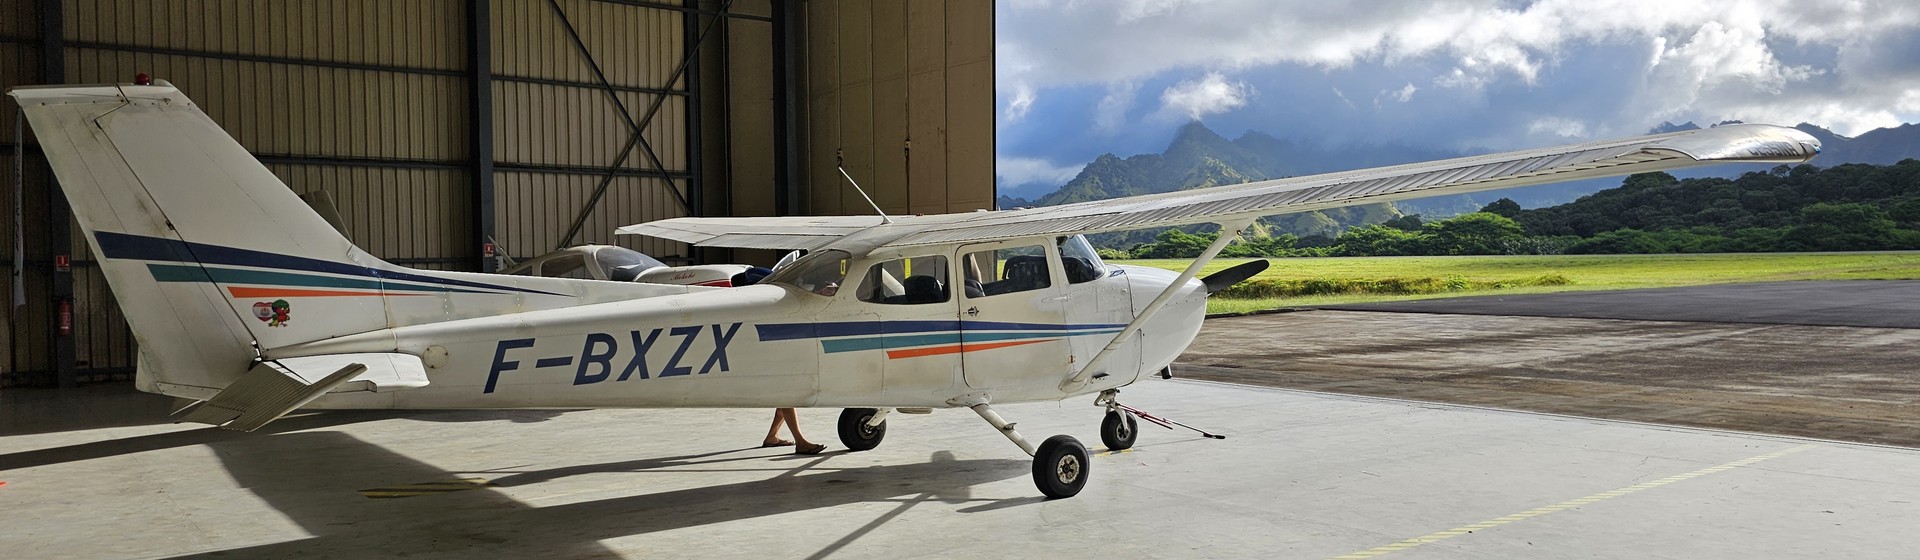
1119	430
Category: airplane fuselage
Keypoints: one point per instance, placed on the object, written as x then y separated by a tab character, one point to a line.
779	345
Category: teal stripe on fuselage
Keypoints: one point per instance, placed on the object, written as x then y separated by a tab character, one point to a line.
178	273
858	344
910	341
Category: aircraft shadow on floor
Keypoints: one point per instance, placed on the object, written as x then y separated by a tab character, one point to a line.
184	438
313	478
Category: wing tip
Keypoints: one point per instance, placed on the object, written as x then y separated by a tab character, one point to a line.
1754	143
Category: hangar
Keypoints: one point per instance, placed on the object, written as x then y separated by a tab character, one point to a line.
440	129
448	131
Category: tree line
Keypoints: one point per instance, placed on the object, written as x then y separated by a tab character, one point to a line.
1852	207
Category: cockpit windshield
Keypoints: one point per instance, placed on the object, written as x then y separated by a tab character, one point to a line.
820	273
1081	262
623	264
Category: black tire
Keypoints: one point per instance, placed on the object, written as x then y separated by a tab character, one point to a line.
854	432
1060	467
1119	430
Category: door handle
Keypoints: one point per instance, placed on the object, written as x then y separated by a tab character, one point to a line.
973	312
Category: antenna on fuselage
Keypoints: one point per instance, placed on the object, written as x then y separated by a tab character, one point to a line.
840	162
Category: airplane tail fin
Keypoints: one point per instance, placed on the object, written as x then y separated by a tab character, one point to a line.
204	247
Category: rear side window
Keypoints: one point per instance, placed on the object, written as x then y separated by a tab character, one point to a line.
572	265
910	281
1006	271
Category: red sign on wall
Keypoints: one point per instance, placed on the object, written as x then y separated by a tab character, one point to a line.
61	263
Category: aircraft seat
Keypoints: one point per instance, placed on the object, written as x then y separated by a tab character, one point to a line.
924	289
1079	270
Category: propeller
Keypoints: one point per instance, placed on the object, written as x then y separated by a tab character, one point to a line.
1233	275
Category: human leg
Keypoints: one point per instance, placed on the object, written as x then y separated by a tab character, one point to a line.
780	416
800	443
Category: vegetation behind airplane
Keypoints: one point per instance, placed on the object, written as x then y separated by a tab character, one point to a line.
1852	207
1198	157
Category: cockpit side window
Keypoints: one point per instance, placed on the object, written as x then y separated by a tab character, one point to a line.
1004	271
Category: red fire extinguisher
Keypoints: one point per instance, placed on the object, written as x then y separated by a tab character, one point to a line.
66	317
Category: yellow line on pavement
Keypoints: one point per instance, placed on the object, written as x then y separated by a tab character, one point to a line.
1566	505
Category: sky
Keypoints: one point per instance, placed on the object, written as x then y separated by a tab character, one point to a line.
1079	78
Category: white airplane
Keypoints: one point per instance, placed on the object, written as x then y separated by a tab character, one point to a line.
247	302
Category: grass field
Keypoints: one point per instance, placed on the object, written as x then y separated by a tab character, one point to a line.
1361	279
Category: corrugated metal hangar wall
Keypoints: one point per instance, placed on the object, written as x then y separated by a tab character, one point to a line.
437	125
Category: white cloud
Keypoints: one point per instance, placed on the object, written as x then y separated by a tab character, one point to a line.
1023	171
1111	114
1023	98
1402	95
1717	54
1701	57
1208	95
1135	10
1558	126
1343	98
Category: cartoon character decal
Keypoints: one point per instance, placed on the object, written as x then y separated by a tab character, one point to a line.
276	314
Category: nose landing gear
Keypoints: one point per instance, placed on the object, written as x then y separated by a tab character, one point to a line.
1118	429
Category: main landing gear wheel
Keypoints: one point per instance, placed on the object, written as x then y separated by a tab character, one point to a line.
1060	467
1119	430
856	434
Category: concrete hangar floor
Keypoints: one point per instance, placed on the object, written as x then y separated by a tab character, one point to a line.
1467	429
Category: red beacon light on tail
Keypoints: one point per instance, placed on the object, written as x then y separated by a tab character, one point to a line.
142	79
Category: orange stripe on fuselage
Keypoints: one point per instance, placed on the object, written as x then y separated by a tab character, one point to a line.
958	348
240	292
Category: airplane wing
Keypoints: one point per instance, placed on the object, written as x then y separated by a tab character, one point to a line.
789	232
1746	143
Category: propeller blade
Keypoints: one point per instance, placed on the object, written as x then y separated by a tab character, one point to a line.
1234	275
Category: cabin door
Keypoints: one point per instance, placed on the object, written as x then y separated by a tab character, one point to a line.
1013	331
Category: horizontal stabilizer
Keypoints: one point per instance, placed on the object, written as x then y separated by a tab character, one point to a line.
263	394
386	372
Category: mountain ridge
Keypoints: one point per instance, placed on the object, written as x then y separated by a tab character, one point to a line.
1199	157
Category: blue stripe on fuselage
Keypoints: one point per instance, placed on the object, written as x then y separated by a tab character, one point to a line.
140	247
801	331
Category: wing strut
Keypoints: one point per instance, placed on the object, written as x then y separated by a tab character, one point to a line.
1229	231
